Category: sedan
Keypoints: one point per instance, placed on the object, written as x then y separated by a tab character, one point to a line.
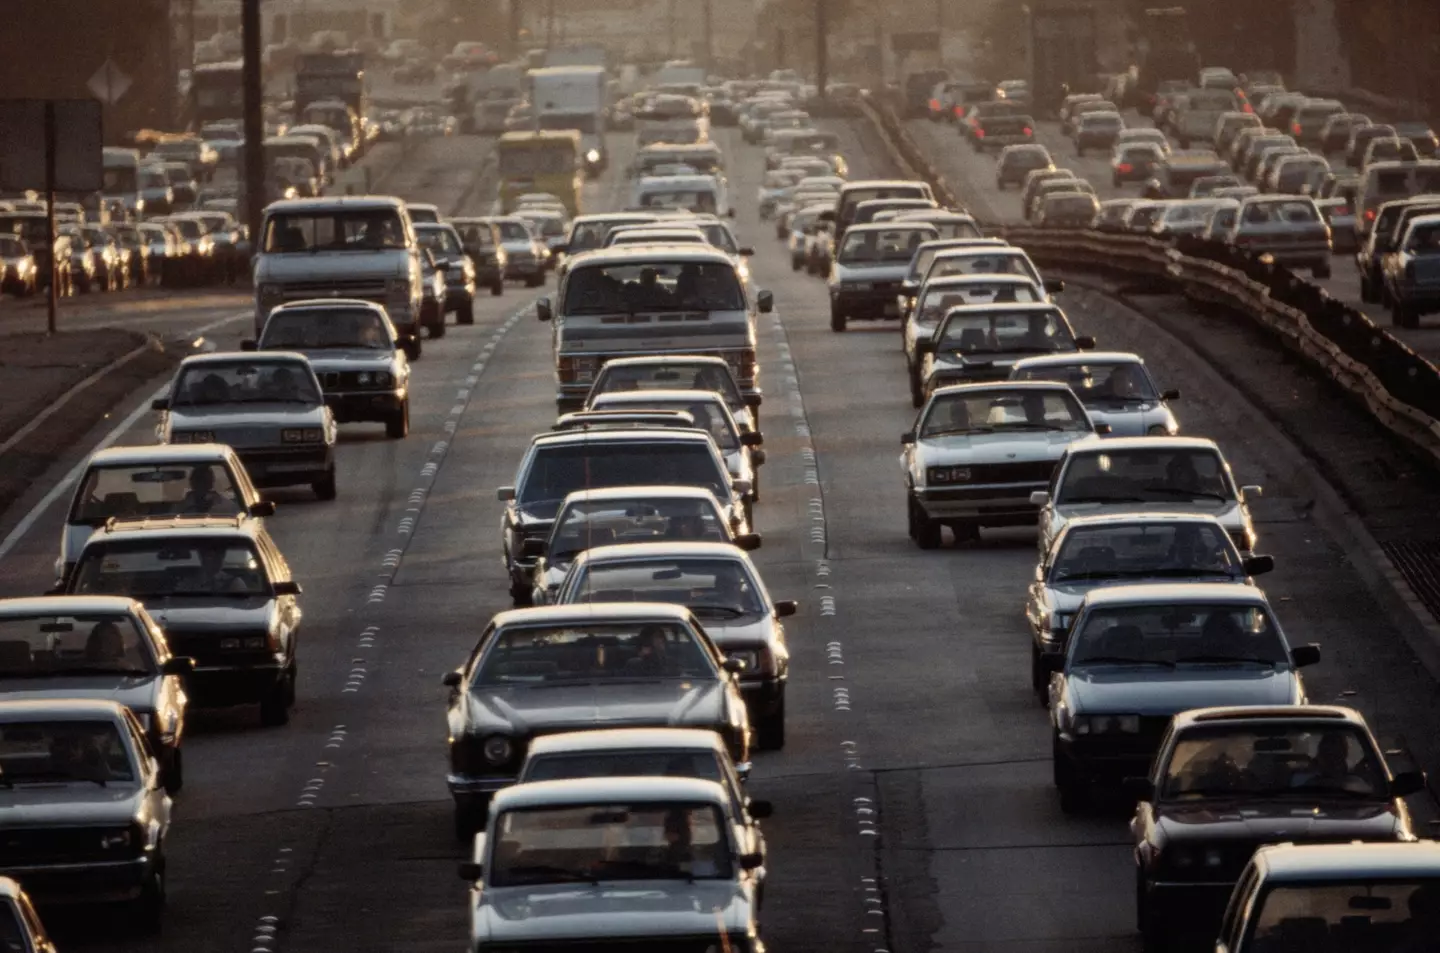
1115	387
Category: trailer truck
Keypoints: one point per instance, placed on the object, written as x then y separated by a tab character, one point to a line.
573	97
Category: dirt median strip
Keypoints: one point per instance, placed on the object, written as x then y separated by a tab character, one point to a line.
37	371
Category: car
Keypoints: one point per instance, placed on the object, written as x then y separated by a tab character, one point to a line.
804	223
924	255
623	420
1096	130
870	263
1228	780
542	670
19	270
977	452
76	767
982	342
1339	214
1360	138
1131	135
1335	134
20	928
1115	387
721	586
1072	210
446	250
1054	187
1035	177
588	232
222	592
1374	896
1093	552
1410	274
1174	175
1016	162
1229	125
105	647
267	405
355	353
1135	162
1389	149
558	464
183	479
525	255
1188	216
1287	228
949	223
999	130
570	852
480	238
625	516
681	372
1138	655
741	449
1147	474
1207	185
1418	131
1113	212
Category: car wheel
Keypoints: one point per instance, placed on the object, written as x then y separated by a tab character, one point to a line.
469	818
837	319
966	532
1367	290
275	707
535	280
498	288
754	484
398	426
796	264
325	486
927	531
771	733
466	312
436	326
917	392
1321	270
1072	794
521	593
413	347
147	912
1038	679
174	771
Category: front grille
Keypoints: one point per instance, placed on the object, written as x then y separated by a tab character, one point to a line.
315	452
349	380
971	375
55	845
1036	471
218	648
365	288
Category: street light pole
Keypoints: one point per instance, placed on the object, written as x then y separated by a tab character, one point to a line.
822	45
254	86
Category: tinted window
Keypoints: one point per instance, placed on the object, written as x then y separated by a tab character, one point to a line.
134	492
80	644
167	566
316	329
653	286
1178	634
245	382
590	652
1152	549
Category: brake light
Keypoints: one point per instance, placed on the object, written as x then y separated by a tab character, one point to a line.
1025	131
1341	210
1295	128
935	105
979	133
1125	167
1369	215
959	111
566	368
1247	108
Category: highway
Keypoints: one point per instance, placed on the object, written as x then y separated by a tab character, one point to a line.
913	802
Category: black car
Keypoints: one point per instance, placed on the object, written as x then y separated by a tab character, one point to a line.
1018	161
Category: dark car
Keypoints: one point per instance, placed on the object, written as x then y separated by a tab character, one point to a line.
998	131
1175	175
1227	781
1016	162
1419	132
1135	162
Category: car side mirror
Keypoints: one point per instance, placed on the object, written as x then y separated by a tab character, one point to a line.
1255	490
757	457
451	680
288	587
747	252
1141	789
505	494
160	403
248	345
730	213
471	871
262	508
1170	395
742	486
1085	343
179	665
532	548
543	310
1039	497
1257	565
760	809
751	861
751	438
1054	285
765	302
1303	655
786	608
1403	784
1102	429
748	542
734	665
907	438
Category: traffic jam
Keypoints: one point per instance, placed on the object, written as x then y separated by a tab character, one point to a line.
601	734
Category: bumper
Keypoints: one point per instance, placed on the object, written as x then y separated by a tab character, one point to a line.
464	788
1109	765
1000	142
763	695
524	269
107	881
1293	254
219	686
356	407
270	468
877	303
998	505
1181	902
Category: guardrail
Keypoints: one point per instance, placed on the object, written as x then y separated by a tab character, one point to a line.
1399	387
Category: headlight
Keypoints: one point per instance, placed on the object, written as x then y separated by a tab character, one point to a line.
192	436
270	291
593	155
297	435
117	840
363	378
382	379
944	475
751	658
1107	724
498	749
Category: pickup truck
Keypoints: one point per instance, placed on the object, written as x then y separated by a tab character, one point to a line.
1411	272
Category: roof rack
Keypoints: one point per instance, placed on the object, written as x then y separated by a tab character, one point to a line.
170	521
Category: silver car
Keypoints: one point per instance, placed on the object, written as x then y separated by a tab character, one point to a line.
682	372
1115	387
268	406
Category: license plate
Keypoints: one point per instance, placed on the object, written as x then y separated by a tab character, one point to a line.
289	467
892	310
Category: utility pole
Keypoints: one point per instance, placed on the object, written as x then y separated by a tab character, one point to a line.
822	45
671	19
709	24
254	120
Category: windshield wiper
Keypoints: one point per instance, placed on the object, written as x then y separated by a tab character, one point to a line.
1108	574
1101	499
1223	659
1029	426
1122	400
558	874
271	400
958	431
1327	790
1193	494
1123	660
728	612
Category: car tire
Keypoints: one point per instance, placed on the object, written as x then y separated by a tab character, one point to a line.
917	392
173	772
275	706
770	735
535	281
398	426
1039	682
837	320
413	347
325	486
1153	938
147	911
965	532
928	532
795	263
521	593
465	314
436	327
497	288
1321	270
469	819
1072	793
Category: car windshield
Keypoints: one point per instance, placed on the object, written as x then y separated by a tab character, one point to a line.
43	646
610	842
246	382
336	230
587	236
599	652
41	752
317	329
653	286
586	524
1400	915
888	245
1003	411
1145	551
669	376
1002	263
1178	634
138	491
1274	760
171	566
557	471
714	589
442	242
1001	332
639	763
938	300
1143	475
1280	213
691	199
1098	385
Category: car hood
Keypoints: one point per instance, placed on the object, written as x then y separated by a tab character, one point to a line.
1299	818
348	359
619	908
217	613
1067	597
1130	420
384	264
954	360
995	447
743	631
70	803
136	692
872	271
526	710
1228	513
1151	690
251	415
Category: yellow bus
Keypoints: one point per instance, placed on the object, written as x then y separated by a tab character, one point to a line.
546	161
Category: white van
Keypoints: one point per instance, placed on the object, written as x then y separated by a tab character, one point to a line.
693	193
1387	181
121	182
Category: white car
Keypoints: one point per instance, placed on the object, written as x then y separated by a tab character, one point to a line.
1114	386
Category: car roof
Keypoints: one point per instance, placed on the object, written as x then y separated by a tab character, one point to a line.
60	709
660	359
1139	519
184	526
592	612
657	491
586	791
892	226
960	280
1266	714
231	357
1152	593
617	217
347	202
627	739
678	549
985	386
1154	443
617	436
66	605
163	453
638	254
1081	357
883	184
661	396
1012	307
325	304
1348	862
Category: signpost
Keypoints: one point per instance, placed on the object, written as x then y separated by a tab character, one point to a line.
53	145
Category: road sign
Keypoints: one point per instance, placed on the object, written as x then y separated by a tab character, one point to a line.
78	166
915	42
109	83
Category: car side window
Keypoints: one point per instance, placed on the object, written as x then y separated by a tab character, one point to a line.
275	566
479	650
1235	911
1057	473
139	742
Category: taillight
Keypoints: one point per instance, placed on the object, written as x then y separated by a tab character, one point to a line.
1341	210
935	105
1125	167
1295	128
979	133
1025	131
959	111
566	367
1247	108
1370	215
